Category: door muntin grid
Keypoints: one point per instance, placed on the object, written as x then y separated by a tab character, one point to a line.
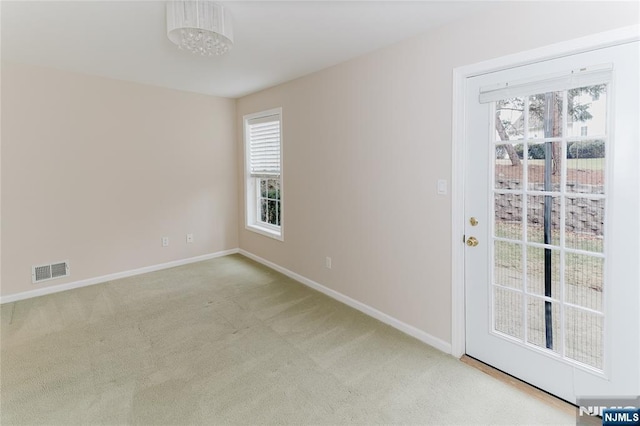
547	245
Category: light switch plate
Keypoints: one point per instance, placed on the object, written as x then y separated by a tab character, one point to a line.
442	187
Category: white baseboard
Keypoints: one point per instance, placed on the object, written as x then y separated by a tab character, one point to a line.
110	277
366	309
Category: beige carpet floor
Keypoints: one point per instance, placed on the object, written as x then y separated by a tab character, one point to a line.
228	341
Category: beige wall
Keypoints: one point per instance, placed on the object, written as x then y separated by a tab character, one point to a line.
96	171
364	144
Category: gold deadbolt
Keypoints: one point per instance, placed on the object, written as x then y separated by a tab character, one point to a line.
473	221
472	241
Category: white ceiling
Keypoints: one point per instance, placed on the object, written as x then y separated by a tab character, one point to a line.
274	41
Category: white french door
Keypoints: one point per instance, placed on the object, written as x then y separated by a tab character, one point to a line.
552	276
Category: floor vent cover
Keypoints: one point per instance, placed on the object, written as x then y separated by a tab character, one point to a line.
51	271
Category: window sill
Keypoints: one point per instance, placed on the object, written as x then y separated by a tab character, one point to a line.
267	232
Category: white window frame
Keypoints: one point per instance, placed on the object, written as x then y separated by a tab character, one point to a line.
252	194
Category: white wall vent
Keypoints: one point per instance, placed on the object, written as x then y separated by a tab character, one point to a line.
50	271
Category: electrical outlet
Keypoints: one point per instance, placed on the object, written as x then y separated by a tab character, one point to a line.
327	262
189	238
165	241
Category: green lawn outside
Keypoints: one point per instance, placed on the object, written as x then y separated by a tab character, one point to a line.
582	270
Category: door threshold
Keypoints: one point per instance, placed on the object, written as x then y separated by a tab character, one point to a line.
525	387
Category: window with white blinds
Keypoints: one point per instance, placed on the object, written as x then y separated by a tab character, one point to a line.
264	146
263	173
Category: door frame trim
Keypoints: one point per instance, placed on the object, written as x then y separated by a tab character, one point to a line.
459	145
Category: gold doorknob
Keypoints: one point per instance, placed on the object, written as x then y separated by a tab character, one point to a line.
472	241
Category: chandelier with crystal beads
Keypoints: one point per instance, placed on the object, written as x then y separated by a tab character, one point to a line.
199	26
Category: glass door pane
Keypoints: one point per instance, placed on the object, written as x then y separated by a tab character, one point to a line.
548	226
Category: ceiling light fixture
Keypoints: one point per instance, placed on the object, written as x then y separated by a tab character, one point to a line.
200	26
